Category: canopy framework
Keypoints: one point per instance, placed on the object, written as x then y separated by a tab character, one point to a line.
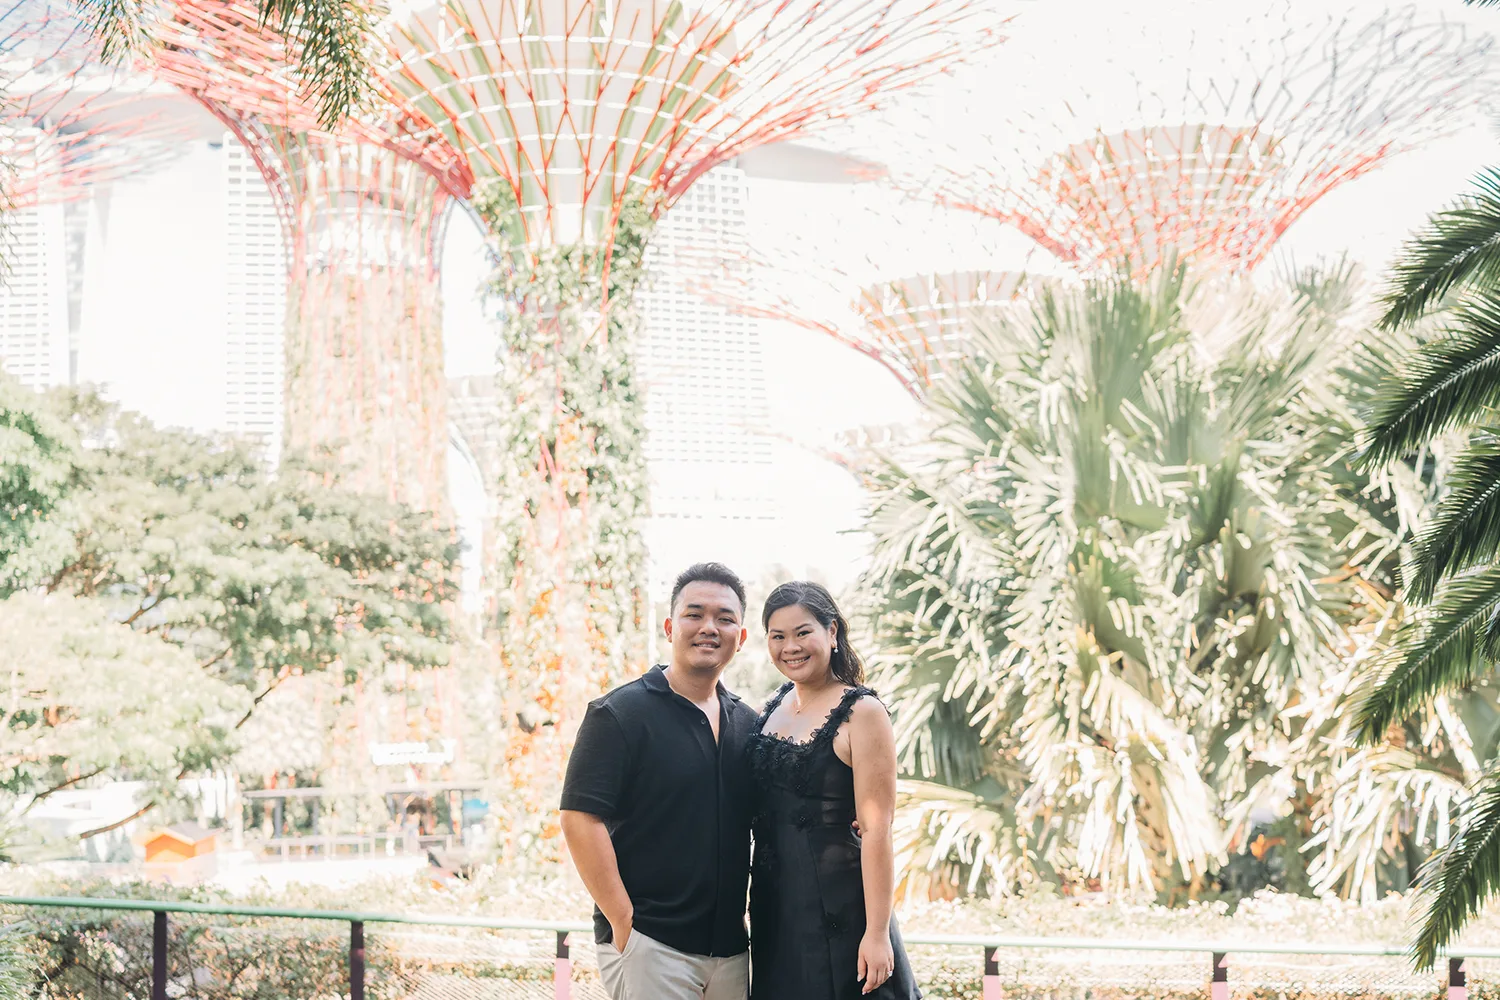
362	214
1217	158
580	107
67	122
906	306
924	322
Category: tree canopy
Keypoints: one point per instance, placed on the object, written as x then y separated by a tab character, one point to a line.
205	556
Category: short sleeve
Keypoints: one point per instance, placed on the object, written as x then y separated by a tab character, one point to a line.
598	766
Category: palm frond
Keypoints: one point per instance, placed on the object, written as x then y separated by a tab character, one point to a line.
1449	381
334	40
1465	531
1460	879
1444	650
122	27
1459	246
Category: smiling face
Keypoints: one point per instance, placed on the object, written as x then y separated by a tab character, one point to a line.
706	627
800	645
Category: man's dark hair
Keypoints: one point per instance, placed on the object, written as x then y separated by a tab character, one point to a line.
708	572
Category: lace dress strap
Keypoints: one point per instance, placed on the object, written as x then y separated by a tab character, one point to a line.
840	714
827	730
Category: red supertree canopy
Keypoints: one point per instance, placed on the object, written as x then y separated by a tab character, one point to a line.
923	322
895	281
1215	153
579	106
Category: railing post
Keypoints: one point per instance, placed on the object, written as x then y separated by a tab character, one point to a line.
1218	988
356	960
991	973
159	955
562	970
1458	980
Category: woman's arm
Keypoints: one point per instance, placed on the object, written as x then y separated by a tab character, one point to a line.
872	753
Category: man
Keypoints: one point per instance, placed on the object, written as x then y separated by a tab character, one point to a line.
656	809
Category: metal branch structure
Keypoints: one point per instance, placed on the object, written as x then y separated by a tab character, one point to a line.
923	323
905	298
580	107
1230	142
582	122
67	122
362	214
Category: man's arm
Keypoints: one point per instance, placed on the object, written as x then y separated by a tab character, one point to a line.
594	856
593	790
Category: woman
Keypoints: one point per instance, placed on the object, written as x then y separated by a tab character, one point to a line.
822	756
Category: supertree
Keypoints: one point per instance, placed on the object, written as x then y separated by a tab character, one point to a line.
362	213
1230	139
583	121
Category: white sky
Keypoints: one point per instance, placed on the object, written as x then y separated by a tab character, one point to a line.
154	334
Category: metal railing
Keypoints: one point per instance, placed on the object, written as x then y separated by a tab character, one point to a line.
990	946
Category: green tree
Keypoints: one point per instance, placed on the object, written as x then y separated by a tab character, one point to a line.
258	576
1130	545
91	698
1440	403
37	479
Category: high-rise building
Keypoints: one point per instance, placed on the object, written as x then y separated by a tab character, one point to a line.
34	296
255	305
706	409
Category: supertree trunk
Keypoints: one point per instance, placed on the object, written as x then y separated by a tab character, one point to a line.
364	347
570	616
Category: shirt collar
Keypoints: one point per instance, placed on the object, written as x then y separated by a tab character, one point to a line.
656	680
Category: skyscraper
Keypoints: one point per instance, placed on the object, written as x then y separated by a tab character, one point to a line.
707	454
34	296
255	306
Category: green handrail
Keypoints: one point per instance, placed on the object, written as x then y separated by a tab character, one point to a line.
215	909
563	927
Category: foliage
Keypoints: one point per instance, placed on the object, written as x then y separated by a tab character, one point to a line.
250	577
90	697
259	576
1107	589
1447	387
569	620
17	971
37	480
330	41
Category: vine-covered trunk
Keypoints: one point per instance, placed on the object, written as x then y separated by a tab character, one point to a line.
364	380
570	558
364	333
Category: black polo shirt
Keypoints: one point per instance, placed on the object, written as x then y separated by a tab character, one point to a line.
677	806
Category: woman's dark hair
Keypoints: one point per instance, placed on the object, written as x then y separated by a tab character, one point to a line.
815	598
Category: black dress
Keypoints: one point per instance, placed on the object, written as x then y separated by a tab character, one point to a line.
807	897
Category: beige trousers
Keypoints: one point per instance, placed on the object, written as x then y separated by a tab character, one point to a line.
649	970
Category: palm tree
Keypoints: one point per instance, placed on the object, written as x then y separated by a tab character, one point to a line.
1440	405
331	38
1129	553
